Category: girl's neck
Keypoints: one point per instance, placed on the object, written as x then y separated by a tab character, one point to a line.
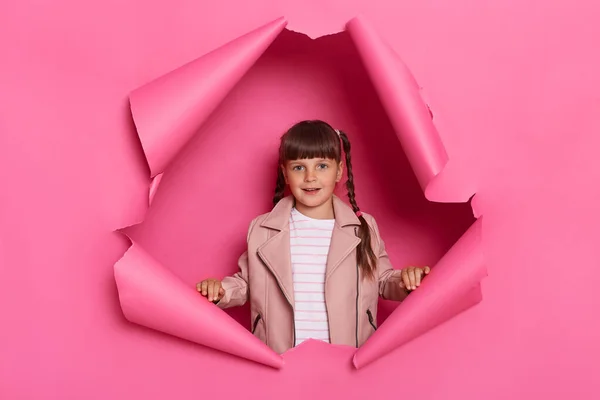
323	211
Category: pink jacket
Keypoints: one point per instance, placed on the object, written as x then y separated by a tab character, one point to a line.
265	278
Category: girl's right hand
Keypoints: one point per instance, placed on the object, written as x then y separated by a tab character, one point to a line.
211	289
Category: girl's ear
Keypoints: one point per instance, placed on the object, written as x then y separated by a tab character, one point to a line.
340	171
284	173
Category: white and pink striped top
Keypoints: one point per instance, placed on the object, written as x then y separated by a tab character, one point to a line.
309	245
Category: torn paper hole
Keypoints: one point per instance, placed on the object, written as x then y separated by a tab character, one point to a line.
167	119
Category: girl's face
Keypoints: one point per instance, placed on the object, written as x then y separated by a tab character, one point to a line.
312	181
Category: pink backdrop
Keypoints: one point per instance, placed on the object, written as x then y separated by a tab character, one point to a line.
517	84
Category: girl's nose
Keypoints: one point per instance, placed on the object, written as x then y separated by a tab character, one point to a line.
310	175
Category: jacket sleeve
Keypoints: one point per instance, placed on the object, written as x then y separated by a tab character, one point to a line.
391	286
236	285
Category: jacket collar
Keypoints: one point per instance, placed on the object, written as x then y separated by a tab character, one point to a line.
279	217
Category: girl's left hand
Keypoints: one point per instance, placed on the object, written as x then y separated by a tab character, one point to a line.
412	276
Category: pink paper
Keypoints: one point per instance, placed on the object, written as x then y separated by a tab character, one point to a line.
517	83
170	109
452	287
167	112
400	96
454	282
154	188
152	296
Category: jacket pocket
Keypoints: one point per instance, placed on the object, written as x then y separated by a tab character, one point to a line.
371	320
256	321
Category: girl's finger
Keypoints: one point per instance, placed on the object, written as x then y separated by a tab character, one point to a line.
216	288
221	292
204	288
418	273
426	270
405	279
211	291
411	275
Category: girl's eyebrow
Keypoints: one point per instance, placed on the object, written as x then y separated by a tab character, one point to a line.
302	162
295	164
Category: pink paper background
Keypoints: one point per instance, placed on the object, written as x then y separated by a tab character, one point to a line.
518	85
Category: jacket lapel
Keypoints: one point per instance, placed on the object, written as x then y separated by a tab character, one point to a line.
275	252
343	238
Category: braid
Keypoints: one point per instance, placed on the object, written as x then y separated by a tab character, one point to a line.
365	256
279	187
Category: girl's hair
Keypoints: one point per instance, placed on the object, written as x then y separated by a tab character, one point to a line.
317	139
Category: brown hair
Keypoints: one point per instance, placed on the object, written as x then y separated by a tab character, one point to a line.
317	139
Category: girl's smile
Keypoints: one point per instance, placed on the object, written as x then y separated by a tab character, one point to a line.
312	190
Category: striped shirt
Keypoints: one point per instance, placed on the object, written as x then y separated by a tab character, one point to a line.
309	247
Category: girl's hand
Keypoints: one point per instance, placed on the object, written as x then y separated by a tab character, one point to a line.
211	289
412	276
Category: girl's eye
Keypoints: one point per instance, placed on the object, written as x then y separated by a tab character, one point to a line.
322	166
297	167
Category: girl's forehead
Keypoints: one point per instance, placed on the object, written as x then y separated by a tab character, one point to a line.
310	160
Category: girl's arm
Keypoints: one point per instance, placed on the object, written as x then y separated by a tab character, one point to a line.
391	286
236	286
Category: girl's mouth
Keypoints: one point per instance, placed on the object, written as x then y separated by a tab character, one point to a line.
311	191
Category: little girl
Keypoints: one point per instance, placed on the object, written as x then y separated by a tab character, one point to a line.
314	267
